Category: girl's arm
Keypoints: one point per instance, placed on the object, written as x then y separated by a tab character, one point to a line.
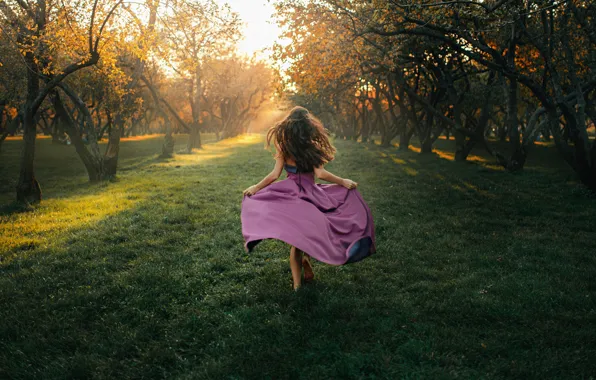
323	174
269	179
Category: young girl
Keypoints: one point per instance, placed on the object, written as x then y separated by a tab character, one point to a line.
331	223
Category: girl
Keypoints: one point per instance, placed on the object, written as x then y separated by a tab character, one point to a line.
331	223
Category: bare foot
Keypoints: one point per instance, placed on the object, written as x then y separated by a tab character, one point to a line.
309	275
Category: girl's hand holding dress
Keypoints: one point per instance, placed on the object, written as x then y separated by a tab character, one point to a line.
322	173
269	179
349	184
251	190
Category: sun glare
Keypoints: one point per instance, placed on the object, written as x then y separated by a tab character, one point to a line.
260	31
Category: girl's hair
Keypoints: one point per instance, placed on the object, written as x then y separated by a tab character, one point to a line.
302	137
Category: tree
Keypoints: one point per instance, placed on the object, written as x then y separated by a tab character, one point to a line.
235	89
195	31
33	26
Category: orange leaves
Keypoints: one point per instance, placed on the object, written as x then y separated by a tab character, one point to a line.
12	112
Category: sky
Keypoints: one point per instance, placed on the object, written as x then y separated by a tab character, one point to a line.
260	31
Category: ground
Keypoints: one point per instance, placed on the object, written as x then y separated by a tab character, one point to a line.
479	273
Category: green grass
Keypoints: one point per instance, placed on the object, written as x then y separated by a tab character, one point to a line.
479	273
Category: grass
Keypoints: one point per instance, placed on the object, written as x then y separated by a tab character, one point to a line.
479	273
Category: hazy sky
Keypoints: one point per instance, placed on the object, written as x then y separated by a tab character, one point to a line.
259	30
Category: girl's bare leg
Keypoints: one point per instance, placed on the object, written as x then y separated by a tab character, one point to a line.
309	275
296	266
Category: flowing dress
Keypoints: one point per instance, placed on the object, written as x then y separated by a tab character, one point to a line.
328	222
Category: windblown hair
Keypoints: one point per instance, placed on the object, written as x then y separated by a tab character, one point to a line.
302	137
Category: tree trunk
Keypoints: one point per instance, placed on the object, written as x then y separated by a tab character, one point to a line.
45	127
167	148
426	146
106	127
93	165
512	120
194	139
405	136
28	189
110	160
383	125
518	156
480	128
460	138
365	123
3	120
426	142
13	126
502	132
461	154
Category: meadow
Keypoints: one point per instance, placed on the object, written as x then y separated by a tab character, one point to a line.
479	273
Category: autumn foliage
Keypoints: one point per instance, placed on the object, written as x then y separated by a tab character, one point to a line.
479	71
83	71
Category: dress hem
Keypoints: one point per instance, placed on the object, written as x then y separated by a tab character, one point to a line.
371	251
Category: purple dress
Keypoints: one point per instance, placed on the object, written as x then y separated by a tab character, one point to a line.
329	222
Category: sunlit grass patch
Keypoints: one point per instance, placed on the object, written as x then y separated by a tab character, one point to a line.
23	232
58	215
20	138
410	171
142	138
198	157
399	161
213	152
241	140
